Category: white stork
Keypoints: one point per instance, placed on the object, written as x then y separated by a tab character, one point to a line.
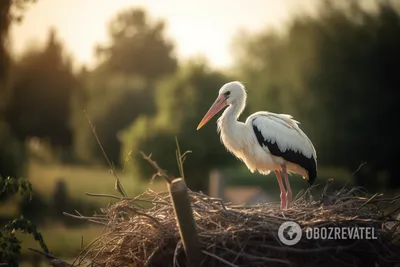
266	141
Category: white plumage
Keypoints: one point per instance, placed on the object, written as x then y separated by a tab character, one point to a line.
266	141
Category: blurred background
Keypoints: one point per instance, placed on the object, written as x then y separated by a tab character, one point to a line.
146	72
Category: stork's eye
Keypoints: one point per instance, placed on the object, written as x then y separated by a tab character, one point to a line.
227	93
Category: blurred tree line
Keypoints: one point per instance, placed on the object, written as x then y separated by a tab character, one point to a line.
335	71
12	151
124	83
338	73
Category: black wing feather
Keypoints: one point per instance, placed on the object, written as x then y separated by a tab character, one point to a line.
309	164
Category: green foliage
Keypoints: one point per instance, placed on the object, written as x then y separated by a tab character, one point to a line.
336	72
9	11
10	246
113	102
41	90
11	186
5	22
10	251
122	87
181	101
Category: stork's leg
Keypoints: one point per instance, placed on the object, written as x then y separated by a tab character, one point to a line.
289	190
283	191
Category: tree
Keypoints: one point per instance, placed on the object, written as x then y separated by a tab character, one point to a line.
121	88
111	102
335	72
41	92
9	11
181	100
12	152
138	46
5	7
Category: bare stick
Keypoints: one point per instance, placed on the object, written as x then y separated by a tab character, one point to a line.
160	172
219	258
105	195
186	223
90	219
369	200
53	260
118	185
359	167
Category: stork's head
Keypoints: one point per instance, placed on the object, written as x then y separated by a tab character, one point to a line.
233	92
230	94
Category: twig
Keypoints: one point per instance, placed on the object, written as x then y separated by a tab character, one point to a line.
160	172
265	259
87	250
106	196
151	256
369	200
359	167
175	260
126	198
145	215
54	261
219	258
118	185
90	219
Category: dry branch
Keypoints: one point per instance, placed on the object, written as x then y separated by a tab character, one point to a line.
160	172
53	261
118	185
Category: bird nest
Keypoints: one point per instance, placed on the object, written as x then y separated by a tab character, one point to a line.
142	231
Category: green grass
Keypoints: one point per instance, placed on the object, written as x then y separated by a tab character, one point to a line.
82	179
62	242
78	180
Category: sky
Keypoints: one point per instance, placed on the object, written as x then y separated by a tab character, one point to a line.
197	27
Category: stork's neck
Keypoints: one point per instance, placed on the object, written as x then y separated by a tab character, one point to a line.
229	117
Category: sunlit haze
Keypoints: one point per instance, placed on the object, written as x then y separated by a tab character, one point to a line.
197	27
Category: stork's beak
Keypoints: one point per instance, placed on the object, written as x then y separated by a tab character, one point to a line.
219	104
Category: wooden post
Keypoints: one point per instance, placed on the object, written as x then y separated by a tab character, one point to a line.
186	223
217	184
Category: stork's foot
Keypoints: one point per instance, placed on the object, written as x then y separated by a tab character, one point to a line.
288	198
283	200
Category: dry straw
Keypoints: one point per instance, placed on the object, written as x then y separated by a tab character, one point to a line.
229	235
